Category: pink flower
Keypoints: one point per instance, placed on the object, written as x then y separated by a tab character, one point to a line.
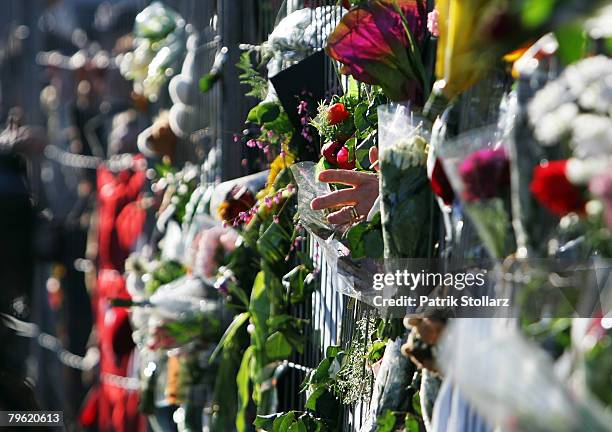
601	186
372	44
432	22
251	143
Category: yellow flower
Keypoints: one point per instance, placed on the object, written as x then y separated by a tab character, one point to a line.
278	164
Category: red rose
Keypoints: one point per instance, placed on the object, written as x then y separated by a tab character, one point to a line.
337	114
346	4
330	151
342	159
440	184
554	191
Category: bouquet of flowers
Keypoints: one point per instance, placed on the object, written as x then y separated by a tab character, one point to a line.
571	120
407	210
379	42
478	167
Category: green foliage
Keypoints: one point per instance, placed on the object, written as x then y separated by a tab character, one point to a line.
353	381
299	283
292	421
243	380
258	85
386	421
536	12
207	81
572	42
165	272
365	239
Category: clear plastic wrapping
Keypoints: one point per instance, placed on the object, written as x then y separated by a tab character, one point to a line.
515	386
351	277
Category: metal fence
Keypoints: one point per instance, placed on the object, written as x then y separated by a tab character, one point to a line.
331	316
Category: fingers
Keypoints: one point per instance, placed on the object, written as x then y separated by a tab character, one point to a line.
374	157
347	177
342	216
341	197
348	214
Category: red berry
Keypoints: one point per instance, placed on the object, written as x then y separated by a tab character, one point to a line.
337	113
342	159
330	151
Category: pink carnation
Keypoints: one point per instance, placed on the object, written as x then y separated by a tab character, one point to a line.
432	22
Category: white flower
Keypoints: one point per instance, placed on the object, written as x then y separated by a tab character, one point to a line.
548	99
580	75
580	172
591	135
554	125
598	96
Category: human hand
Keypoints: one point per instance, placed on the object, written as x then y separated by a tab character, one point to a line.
356	201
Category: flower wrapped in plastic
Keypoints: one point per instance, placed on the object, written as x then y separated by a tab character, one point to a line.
378	43
478	167
474	36
407	211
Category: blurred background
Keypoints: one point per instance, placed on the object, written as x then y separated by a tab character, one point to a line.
67	110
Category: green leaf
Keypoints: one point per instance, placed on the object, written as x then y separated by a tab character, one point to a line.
229	334
207	81
278	347
386	421
298	426
311	403
332	351
278	322
535	12
360	117
321	373
267	112
259	308
376	351
411	424
416	404
282	423
265	421
355	238
373	243
572	42
252	116
242	381
296	283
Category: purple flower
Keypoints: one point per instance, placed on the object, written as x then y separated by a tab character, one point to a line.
275	219
268	202
485	174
